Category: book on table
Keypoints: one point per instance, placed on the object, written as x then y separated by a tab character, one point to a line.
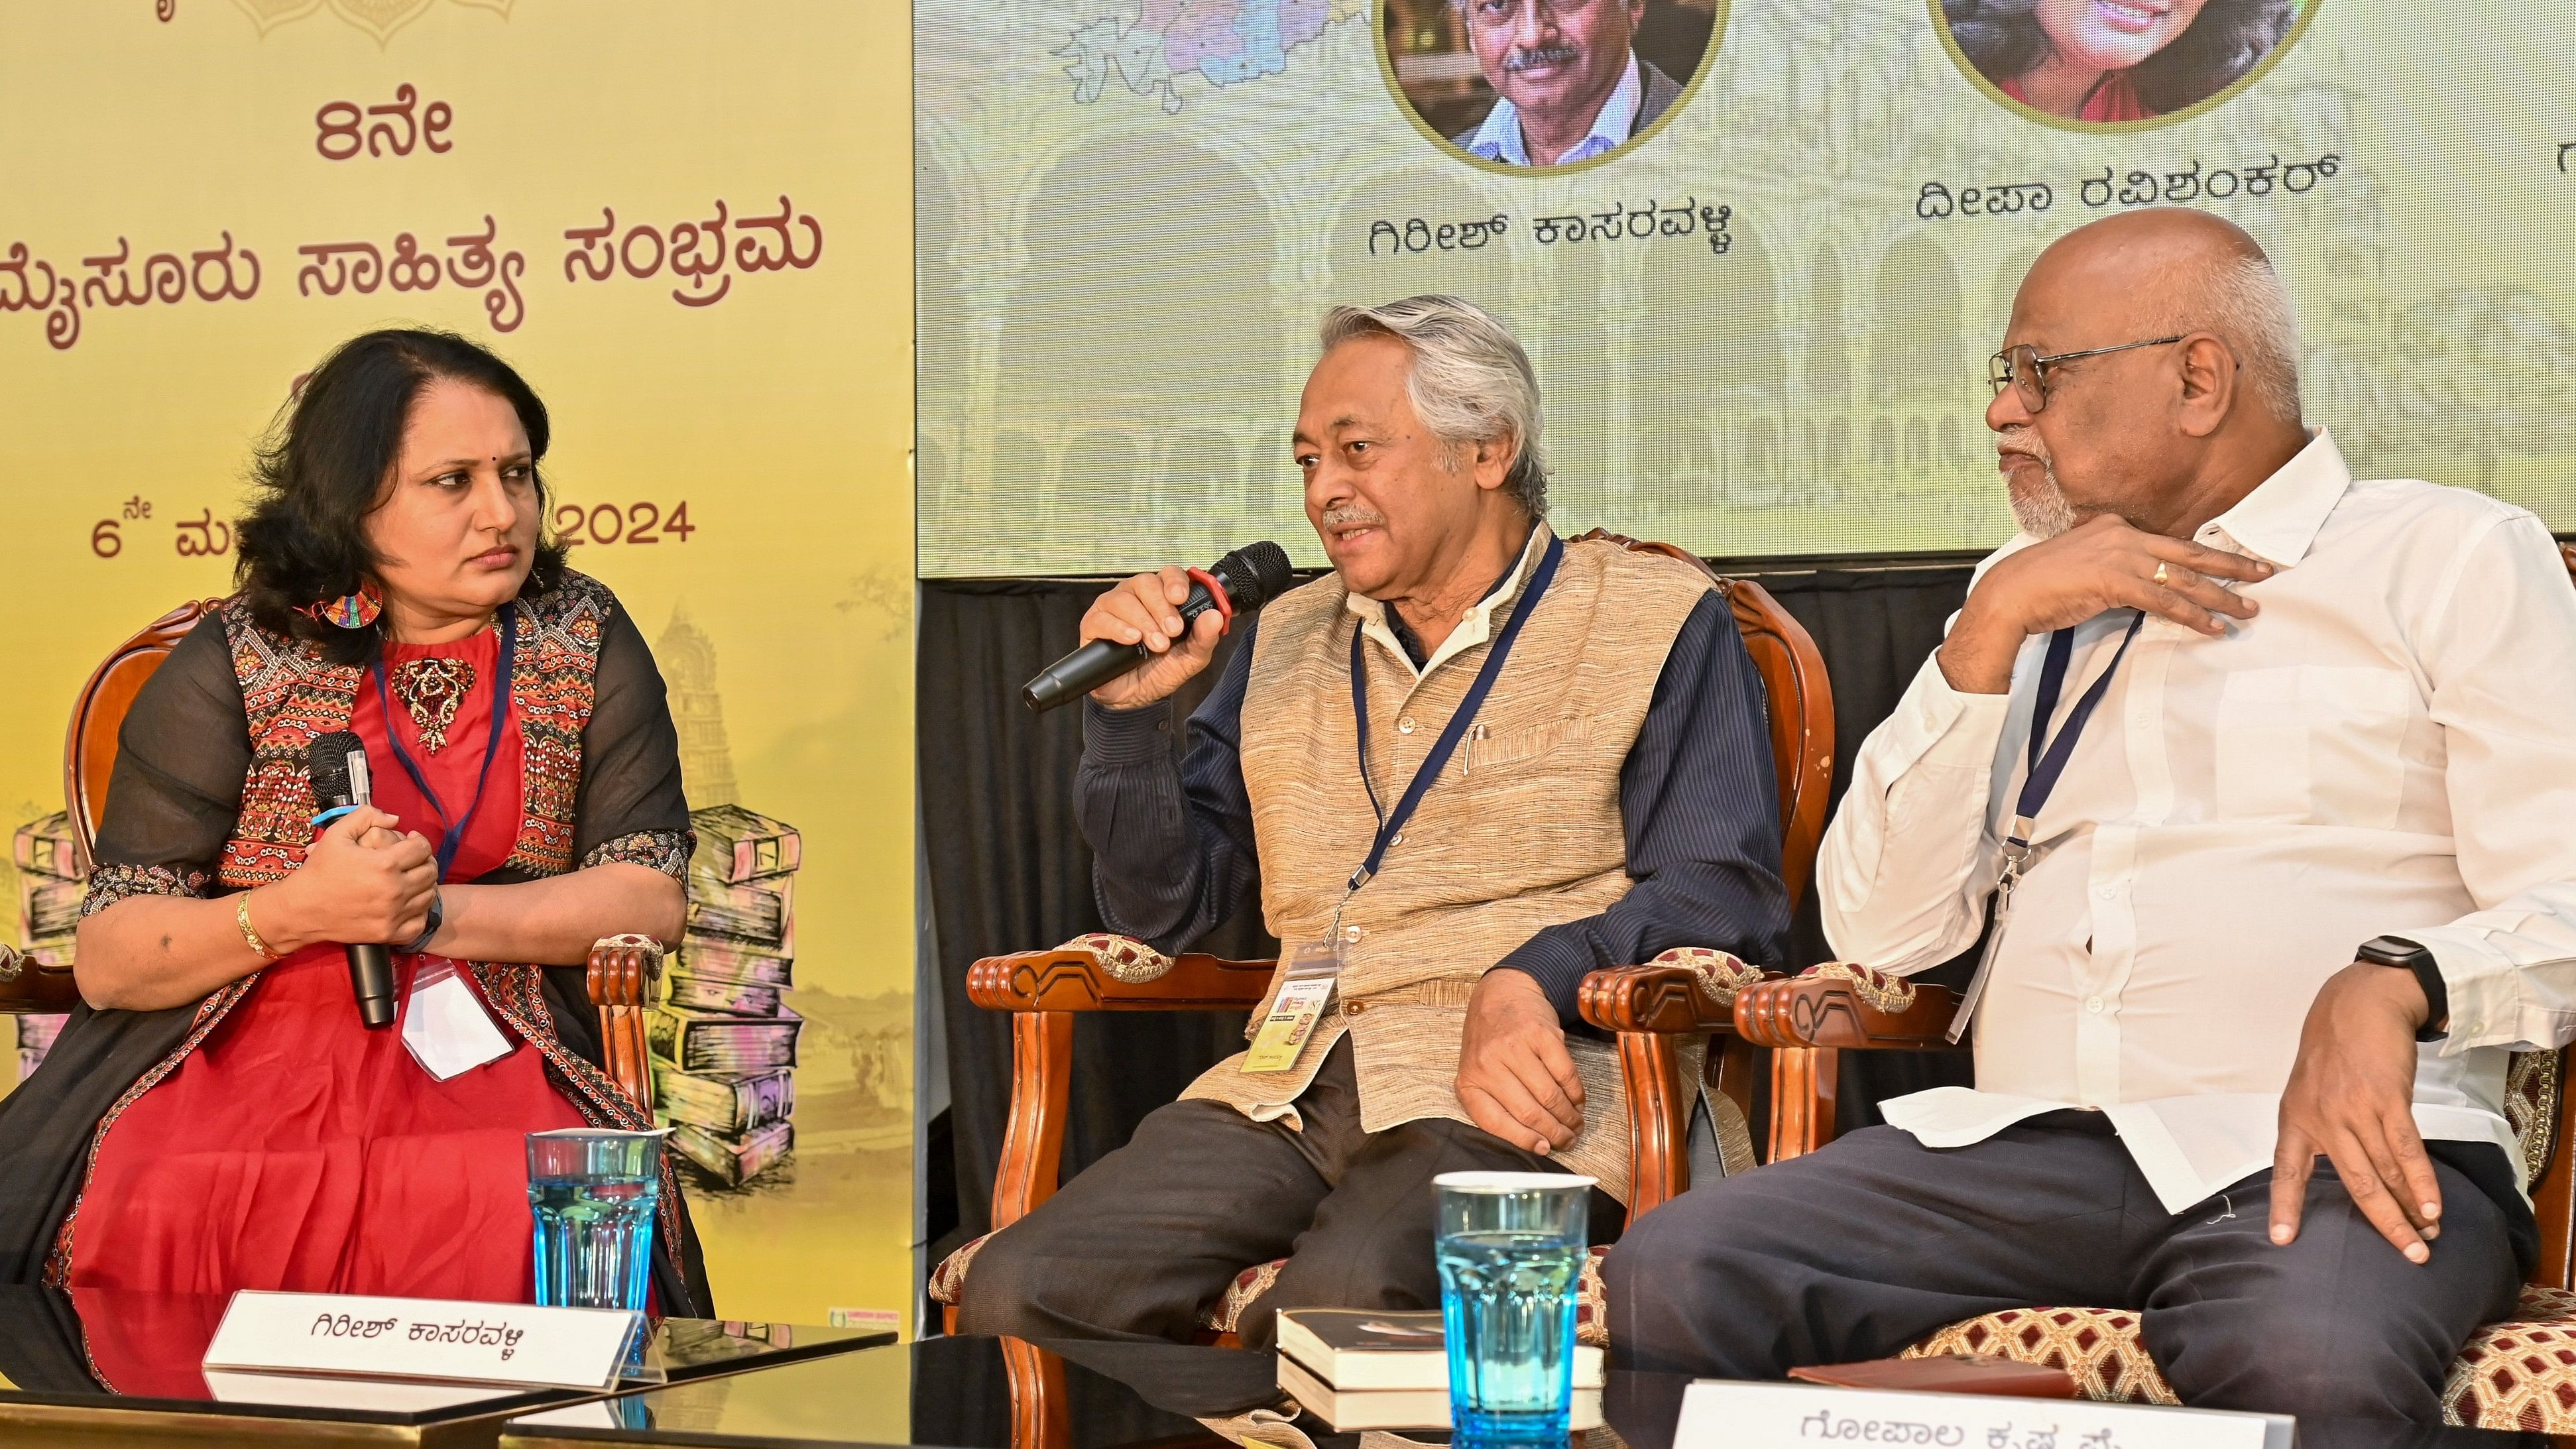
1352	1410
1350	1348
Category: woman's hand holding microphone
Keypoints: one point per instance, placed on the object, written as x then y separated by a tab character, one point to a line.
362	883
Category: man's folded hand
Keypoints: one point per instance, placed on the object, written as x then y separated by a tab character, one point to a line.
1515	1077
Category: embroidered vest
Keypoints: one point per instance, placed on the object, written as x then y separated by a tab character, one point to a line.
291	696
1522	831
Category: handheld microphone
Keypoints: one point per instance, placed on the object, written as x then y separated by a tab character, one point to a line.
1243	581
338	765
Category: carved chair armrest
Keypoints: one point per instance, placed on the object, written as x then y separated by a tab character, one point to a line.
1109	973
31	987
1098	972
625	981
625	971
1685	992
1845	1006
1665	1000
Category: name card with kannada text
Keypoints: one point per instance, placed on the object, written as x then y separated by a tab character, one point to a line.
1726	1415
422	1338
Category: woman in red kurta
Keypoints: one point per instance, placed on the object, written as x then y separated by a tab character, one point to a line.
220	1118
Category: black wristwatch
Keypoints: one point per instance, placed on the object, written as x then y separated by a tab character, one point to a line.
2399	952
437	918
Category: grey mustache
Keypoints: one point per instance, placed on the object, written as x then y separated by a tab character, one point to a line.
1520	60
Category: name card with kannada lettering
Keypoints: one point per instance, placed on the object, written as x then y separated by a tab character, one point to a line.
422	1338
1726	1415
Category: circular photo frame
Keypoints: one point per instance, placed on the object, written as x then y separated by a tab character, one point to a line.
1544	87
2117	65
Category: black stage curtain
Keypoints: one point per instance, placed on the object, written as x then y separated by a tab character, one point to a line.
1008	871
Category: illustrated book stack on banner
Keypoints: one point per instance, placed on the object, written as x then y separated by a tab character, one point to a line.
49	901
724	1040
1355	1369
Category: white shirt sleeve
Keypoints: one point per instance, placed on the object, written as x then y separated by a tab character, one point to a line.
1906	866
2503	675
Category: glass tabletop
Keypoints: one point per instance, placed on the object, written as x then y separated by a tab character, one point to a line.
94	1348
958	1392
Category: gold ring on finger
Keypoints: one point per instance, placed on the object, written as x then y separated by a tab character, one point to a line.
2162	578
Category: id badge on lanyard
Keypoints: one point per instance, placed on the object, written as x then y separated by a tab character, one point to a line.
1302	1000
1316	966
2047	764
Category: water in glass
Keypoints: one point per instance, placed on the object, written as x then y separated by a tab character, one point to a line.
593	1195
1510	1248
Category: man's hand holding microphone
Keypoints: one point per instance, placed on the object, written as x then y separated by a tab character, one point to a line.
1146	609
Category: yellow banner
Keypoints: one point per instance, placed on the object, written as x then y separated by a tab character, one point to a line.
689	227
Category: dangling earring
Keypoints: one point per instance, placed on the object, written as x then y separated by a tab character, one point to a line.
349	611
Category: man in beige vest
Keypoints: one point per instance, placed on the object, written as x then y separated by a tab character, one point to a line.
1472	746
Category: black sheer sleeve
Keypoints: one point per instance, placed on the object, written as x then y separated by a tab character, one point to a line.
630	807
176	791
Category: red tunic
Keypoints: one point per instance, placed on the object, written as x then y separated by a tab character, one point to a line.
2112	99
297	1150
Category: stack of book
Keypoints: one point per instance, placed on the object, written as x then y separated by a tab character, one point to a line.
1358	1370
49	900
724	1040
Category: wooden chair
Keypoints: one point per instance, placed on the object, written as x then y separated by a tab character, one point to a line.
1044	989
625	971
2514	1375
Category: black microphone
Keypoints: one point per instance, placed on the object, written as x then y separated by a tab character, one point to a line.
1246	579
338	765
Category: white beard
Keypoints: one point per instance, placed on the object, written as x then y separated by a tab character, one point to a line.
2041	509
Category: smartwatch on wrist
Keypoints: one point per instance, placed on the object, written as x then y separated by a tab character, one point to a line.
437	918
2407	955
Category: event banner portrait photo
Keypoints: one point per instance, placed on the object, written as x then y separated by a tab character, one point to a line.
1759	251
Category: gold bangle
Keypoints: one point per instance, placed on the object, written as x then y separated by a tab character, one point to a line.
250	933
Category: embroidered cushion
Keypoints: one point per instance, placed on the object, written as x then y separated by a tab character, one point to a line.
1721	973
948	1280
2515	1375
1124	957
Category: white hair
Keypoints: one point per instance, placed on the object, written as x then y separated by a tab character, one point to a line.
2241	299
1470	382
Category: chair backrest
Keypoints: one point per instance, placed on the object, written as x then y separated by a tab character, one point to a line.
1802	707
2538	1106
89	747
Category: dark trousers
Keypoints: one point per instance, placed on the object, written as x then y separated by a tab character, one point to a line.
1136	1247
1858	1250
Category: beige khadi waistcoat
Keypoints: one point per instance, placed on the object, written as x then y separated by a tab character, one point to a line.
1521	832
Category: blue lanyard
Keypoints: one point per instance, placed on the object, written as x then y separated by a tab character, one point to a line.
2048	760
455	836
1391	823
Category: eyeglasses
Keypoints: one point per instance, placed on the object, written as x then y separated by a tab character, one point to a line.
2026	372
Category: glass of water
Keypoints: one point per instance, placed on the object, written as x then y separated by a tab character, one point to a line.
592	1192
1511	1248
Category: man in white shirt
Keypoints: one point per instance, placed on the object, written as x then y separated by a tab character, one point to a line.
1568	85
2293	885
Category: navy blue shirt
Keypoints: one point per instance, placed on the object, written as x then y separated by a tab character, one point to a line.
1173	851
